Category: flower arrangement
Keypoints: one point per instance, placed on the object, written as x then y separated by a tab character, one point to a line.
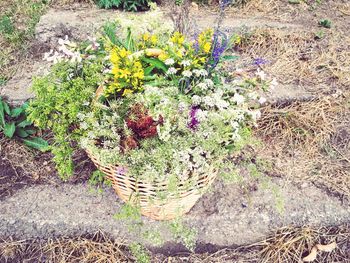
158	106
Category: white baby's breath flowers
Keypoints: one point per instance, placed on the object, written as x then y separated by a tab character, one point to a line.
238	99
196	72
203	72
209	83
201	115
202	86
182	106
186	63
171	71
196	100
209	101
169	62
187	73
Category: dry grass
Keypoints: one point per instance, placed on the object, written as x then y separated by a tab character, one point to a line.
296	57
286	245
309	142
96	248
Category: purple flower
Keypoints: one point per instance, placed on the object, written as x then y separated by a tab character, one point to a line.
225	3
220	43
121	170
260	61
194	122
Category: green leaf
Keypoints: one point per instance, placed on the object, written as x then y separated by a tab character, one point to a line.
6	108
156	63
229	57
36	143
148	70
22	133
24	124
30	131
2	114
9	129
16	112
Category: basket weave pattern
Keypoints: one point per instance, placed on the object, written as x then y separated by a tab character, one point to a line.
151	205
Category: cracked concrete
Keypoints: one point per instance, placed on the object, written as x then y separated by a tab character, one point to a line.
223	217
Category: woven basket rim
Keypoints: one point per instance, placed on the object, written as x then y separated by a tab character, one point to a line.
197	177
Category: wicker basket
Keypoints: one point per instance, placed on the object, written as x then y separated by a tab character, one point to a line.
147	194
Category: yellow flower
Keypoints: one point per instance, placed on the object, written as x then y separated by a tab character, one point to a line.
123	73
114	57
206	47
163	56
145	37
205	36
139	75
127	91
177	38
124	53
154	39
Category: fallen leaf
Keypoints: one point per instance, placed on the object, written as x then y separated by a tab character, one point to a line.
312	256
99	92
327	248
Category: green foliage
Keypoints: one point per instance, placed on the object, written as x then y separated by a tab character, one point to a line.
6	25
129	212
14	123
60	97
325	23
17	23
128	5
140	253
99	178
186	235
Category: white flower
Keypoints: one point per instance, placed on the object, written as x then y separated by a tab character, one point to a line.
209	83
239	99
196	72
169	62
201	115
209	101
196	100
261	74
262	100
202	86
182	106
171	71
203	72
84	125
185	63
235	125
187	73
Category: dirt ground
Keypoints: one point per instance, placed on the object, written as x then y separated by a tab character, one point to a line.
304	134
